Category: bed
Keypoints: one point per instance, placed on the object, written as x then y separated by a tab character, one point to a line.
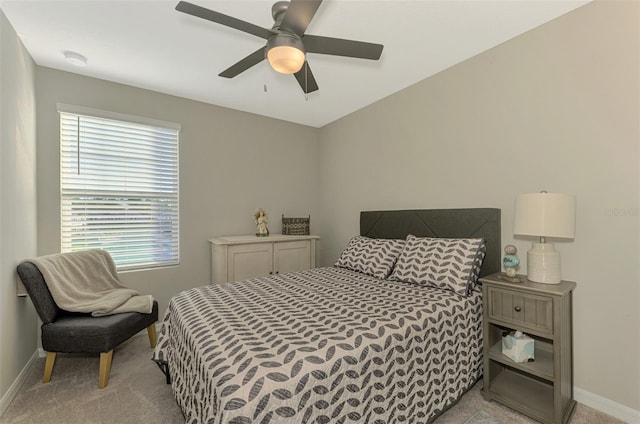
332	344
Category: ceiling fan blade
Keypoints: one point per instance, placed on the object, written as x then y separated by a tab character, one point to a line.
305	79
299	15
246	63
222	19
341	47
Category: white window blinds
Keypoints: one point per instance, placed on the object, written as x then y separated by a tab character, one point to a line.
119	187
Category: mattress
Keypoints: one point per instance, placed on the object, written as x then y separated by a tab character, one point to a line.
323	345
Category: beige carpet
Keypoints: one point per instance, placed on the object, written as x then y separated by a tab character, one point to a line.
137	393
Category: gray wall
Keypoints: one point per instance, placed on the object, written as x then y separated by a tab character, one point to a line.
230	164
18	323
555	109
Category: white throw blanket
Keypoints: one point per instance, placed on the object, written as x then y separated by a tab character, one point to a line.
87	281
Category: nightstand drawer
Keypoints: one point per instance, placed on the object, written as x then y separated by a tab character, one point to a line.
526	310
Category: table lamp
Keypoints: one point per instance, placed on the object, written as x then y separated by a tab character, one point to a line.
544	215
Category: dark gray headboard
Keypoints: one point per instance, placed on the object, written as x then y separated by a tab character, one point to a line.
449	223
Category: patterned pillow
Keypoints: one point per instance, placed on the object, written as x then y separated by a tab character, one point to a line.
445	263
374	257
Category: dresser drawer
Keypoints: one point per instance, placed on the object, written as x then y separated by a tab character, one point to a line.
524	310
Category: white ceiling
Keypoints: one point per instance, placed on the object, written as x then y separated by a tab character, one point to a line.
148	44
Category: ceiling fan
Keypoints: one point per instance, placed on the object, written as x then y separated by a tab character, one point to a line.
287	43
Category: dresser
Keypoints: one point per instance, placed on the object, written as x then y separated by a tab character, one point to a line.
236	258
542	389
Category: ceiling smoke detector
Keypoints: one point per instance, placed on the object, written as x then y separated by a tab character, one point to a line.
76	59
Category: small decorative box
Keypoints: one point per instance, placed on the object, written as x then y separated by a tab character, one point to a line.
518	347
295	226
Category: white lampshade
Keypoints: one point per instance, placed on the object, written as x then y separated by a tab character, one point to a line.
544	215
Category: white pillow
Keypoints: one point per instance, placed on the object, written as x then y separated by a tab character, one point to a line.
444	263
374	257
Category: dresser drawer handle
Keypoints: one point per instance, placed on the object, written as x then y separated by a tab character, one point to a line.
517	308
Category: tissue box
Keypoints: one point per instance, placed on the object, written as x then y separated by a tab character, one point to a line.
518	347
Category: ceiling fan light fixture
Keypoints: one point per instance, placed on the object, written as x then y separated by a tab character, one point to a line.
285	53
285	50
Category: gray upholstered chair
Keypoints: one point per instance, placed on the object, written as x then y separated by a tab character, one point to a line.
69	332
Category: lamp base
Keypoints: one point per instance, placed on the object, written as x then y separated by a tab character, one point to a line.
543	264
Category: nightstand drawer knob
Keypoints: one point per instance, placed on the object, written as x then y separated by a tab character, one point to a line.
517	308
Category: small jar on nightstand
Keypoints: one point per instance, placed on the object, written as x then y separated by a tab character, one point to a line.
543	388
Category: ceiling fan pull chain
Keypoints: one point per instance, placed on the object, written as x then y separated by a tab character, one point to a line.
265	78
306	87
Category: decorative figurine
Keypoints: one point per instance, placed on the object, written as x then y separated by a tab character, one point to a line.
260	218
511	262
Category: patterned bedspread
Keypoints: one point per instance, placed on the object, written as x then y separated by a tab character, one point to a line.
324	345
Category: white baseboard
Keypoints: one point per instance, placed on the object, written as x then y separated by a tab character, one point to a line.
609	407
17	383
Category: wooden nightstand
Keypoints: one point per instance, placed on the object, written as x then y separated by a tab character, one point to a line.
542	389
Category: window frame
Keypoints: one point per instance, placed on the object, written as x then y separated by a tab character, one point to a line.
172	197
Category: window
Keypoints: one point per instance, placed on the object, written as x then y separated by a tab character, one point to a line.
119	187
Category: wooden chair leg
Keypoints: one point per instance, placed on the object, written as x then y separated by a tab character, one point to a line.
151	330
48	366
105	368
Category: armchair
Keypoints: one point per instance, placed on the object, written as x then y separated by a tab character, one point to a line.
70	332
